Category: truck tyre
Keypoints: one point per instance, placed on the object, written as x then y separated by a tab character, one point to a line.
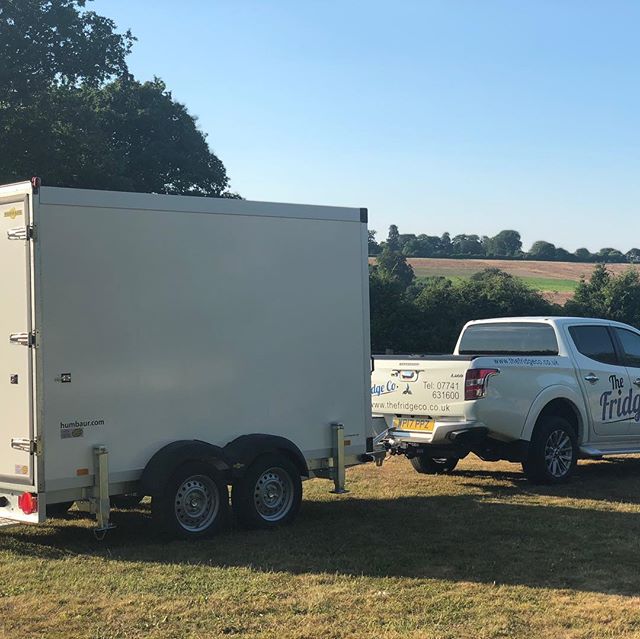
553	452
194	502
433	465
269	494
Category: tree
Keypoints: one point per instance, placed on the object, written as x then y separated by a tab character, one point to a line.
610	255
583	255
393	239
542	250
633	256
562	255
55	42
442	314
392	265
505	244
393	315
608	296
71	113
467	245
423	246
494	293
445	244
374	247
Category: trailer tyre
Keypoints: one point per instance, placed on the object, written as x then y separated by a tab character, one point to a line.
553	452
434	465
194	502
269	494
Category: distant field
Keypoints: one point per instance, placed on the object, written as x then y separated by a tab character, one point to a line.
557	280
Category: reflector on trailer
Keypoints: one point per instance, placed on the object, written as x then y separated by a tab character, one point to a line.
28	503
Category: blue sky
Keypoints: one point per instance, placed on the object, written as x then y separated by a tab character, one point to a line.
452	115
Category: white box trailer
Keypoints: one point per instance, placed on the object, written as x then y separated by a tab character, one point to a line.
174	346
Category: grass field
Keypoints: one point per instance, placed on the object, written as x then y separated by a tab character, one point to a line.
542	284
557	280
477	554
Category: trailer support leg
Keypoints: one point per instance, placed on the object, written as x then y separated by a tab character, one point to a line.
338	459
101	500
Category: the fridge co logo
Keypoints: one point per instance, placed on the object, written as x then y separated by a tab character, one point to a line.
12	213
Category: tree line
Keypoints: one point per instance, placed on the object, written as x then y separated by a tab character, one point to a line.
71	111
426	316
505	245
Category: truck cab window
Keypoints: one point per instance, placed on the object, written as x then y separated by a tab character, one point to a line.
509	338
631	347
595	343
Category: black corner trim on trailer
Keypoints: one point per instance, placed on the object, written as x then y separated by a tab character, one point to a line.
245	449
364	215
167	459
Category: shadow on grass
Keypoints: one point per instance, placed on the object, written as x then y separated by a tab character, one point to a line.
465	538
611	480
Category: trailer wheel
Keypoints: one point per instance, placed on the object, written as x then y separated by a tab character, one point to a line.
269	494
194	502
433	465
553	452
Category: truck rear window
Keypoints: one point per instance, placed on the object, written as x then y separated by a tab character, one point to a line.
509	339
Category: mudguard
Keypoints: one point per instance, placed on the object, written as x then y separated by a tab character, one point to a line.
548	395
168	458
246	448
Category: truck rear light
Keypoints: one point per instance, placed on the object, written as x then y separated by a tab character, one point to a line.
475	382
28	503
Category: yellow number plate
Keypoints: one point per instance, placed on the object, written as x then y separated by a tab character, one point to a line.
413	424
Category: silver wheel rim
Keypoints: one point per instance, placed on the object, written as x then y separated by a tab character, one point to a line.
273	494
558	453
197	503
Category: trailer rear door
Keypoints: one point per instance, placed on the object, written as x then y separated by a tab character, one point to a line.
17	463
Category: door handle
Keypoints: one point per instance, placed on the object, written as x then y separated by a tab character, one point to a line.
636	381
591	378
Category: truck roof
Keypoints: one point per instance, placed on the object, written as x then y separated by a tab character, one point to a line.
558	321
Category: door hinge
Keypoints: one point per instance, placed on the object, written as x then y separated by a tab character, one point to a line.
23	339
21	233
31	446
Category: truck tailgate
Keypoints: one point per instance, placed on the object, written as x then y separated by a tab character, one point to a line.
426	386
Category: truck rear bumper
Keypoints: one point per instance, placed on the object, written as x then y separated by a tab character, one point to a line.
457	441
442	433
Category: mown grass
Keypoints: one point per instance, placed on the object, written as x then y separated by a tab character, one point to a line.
477	554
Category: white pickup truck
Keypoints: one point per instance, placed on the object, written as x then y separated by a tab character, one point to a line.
540	391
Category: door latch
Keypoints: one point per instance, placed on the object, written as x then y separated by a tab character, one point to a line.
21	233
23	339
26	445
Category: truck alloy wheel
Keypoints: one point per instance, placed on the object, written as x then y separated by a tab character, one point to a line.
194	502
553	451
558	453
269	494
433	465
